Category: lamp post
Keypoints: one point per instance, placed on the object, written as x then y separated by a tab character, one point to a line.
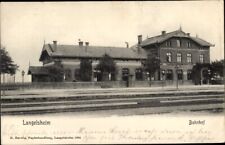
176	68
209	72
163	74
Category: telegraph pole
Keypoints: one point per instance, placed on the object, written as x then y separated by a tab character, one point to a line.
23	79
0	72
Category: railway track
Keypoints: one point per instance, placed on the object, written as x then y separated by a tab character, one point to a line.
29	104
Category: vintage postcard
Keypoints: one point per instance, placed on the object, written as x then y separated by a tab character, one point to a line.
112	72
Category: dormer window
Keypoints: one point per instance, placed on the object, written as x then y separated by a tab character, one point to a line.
168	43
188	44
178	43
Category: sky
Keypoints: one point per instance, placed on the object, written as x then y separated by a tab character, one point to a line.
26	26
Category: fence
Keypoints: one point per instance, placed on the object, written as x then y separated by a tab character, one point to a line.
61	85
159	83
74	85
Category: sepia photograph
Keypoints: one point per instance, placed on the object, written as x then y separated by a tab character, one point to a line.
112	72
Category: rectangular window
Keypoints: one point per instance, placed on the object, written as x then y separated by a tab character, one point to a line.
201	58
179	57
188	44
168	57
178	43
189	58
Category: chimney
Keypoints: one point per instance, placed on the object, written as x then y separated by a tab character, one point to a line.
139	39
54	44
87	43
188	34
163	32
80	43
127	44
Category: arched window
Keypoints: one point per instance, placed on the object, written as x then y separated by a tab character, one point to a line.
180	74
169	74
168	57
97	75
163	73
138	74
125	74
189	75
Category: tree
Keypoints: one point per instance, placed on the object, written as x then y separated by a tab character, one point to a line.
198	69
85	69
151	65
217	67
7	65
56	72
107	66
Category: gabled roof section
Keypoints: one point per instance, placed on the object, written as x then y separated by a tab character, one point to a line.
177	33
37	70
201	41
76	51
46	50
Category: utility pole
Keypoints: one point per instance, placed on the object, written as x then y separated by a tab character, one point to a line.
0	78
0	84
23	79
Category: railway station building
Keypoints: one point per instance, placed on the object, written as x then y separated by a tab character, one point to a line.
177	51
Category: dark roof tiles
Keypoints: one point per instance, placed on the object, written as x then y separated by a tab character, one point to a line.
37	70
93	51
76	51
177	33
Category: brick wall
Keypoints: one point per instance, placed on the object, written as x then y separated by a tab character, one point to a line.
195	50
